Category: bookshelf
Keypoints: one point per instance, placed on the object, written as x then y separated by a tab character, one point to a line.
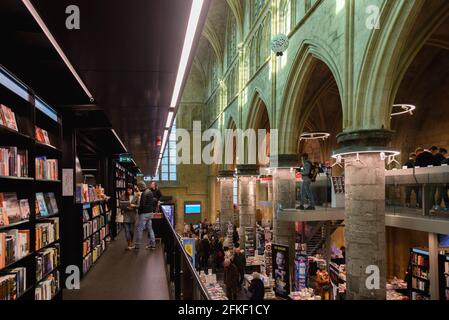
444	276
418	281
24	226
88	236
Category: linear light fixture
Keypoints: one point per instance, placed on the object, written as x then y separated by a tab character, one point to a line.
169	119
194	18
118	138
55	44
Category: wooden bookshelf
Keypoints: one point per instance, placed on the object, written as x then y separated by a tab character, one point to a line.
30	111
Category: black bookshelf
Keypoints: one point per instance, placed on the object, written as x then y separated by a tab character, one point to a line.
76	238
418	280
444	276
30	111
122	178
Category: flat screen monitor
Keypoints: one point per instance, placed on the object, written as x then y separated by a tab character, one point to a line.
192	208
444	240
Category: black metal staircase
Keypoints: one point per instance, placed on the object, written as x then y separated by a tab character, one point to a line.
317	238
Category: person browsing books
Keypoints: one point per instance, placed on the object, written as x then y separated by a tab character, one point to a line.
146	210
129	204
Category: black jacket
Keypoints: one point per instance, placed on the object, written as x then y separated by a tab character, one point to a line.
424	159
157	194
410	164
257	289
240	261
147	202
438	159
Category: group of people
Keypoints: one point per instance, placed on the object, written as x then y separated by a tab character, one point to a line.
423	158
139	206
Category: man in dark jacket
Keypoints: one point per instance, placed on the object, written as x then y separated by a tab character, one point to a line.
424	158
306	186
156	194
240	262
231	279
146	210
257	288
204	253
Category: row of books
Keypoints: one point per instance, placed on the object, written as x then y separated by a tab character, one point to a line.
419	272
419	284
46	169
8	118
46	261
93	256
42	136
47	233
13	284
46	204
14	245
420	260
13	162
13	210
85	193
47	289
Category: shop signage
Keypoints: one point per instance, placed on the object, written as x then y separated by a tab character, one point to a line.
125	158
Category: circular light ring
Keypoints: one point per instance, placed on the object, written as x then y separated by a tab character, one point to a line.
314	136
387	153
404	108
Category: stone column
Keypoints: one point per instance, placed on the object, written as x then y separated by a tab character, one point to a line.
284	182
247	199
226	198
365	213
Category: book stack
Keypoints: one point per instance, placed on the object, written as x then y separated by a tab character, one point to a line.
13	210
14	245
46	204
46	169
46	261
48	288
47	233
42	136
13	284
8	118
13	162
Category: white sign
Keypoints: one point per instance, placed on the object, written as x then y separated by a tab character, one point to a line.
67	182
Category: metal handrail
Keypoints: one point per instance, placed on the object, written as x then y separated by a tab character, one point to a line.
203	291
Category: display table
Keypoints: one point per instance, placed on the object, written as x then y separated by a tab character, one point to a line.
305	294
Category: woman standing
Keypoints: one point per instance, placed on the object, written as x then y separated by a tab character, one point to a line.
129	204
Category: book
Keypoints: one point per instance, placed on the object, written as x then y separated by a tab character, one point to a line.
13	162
11	206
53	203
3	216
47	233
9	118
24	206
46	169
43	212
42	136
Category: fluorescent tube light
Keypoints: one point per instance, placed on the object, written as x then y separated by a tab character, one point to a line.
46	109
55	44
194	19
169	119
10	82
118	138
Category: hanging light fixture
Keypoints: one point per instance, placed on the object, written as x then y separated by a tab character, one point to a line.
400	109
314	136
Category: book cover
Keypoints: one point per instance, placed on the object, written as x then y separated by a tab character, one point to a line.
2	250
46	139
48	204
41	203
53	203
3	216
2	116
39	135
9	117
24	209
11	205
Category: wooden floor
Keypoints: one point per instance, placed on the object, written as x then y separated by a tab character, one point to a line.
124	275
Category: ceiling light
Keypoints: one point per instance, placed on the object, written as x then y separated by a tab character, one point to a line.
314	136
119	140
55	44
194	19
169	119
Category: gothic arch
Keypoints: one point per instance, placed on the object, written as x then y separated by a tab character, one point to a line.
257	108
293	112
405	27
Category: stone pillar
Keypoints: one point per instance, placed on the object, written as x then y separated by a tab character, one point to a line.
247	199
364	213
284	182
226	179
